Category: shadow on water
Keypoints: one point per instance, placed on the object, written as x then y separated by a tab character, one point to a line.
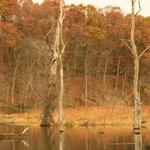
99	138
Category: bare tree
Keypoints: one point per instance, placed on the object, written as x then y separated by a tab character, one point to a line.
136	57
14	79
86	79
56	58
61	114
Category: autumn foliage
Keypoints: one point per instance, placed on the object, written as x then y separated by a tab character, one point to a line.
26	34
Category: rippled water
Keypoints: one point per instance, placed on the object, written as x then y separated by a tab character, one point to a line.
99	138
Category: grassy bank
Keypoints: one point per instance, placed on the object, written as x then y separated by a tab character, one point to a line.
81	116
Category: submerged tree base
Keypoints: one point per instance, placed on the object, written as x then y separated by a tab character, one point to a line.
14	136
61	129
47	124
137	130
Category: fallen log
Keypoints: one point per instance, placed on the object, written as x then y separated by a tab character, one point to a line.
11	136
20	136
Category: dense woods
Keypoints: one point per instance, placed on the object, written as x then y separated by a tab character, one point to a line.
97	63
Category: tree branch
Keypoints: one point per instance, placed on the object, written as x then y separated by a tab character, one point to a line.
47	34
127	46
146	49
139	8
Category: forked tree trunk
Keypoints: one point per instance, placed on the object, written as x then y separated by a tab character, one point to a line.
56	57
51	92
136	59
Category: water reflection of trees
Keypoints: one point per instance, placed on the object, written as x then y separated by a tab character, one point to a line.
61	141
138	141
52	138
43	139
49	138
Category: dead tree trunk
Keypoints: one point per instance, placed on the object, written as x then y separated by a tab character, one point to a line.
14	80
61	114
137	114
118	69
105	73
61	52
86	79
124	82
136	58
51	92
56	53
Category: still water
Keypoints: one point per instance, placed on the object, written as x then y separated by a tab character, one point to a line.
99	138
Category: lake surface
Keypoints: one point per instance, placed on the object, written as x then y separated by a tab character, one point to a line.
99	138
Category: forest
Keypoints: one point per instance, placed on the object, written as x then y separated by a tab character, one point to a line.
73	64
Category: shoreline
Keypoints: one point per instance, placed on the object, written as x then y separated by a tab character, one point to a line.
81	116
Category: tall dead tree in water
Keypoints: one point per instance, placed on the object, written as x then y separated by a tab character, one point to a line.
61	53
136	72
56	58
136	58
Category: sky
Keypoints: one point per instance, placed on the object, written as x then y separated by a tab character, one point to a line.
124	4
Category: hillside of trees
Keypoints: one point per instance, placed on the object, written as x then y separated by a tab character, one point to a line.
98	66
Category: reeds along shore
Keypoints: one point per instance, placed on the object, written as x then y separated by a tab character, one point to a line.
81	116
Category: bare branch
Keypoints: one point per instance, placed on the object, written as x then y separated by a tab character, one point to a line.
127	46
36	93
146	49
139	4
25	130
41	49
47	34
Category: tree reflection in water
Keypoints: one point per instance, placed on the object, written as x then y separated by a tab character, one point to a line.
138	141
61	141
49	138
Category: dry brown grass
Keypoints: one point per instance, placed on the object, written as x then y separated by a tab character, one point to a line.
102	115
91	116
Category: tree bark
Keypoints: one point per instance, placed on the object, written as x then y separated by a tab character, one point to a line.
124	82
105	73
137	95
118	69
86	79
51	95
61	52
61	113
56	53
137	113
14	79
